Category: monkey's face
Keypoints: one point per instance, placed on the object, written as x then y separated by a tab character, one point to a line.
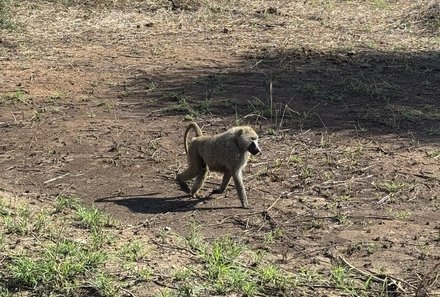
247	140
253	148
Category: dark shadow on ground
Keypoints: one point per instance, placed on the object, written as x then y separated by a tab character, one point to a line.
155	204
367	92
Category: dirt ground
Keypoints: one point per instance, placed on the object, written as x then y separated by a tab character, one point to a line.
94	103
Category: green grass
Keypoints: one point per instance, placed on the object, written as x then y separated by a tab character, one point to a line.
306	172
294	159
229	267
393	187
341	219
273	276
195	239
223	268
66	249
38	114
58	267
273	235
21	221
60	249
66	203
364	248
106	285
400	214
187	106
134	251
91	218
18	96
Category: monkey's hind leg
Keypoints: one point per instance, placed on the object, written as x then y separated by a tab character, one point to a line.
195	167
187	174
182	184
199	181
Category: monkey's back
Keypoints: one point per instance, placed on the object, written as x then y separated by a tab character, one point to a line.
220	152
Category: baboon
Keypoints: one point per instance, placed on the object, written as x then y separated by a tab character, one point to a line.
227	153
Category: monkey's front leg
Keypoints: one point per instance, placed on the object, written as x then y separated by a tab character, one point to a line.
224	184
238	181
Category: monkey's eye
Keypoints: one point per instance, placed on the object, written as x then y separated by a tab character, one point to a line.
253	138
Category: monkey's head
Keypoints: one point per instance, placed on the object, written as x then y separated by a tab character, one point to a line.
247	140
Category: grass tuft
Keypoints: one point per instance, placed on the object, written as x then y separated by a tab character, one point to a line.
393	187
18	96
91	218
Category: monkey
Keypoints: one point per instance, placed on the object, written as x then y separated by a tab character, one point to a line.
227	153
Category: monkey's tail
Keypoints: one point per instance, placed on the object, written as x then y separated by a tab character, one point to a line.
196	129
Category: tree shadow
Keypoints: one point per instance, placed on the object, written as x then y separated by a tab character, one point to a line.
154	203
368	92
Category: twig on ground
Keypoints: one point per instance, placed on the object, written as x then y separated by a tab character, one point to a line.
351	180
384	199
236	215
249	213
272	205
128	292
159	283
374	277
142	224
55	178
421	175
427	278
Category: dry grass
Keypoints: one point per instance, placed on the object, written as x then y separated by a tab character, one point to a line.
425	15
253	25
93	3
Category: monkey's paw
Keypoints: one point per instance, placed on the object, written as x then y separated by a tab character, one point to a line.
217	191
245	205
184	187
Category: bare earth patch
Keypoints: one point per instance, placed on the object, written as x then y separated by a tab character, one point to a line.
345	96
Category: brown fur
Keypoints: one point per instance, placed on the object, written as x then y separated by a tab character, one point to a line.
227	152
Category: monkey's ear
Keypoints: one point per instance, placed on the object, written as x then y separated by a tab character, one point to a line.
239	132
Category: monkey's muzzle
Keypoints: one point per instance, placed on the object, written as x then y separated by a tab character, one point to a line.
254	149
